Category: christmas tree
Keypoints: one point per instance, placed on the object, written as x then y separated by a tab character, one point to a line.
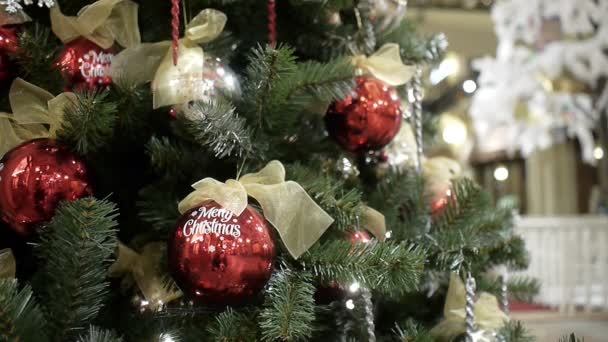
236	171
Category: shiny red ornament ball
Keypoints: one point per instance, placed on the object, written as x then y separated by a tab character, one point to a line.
34	177
219	258
85	66
359	236
9	44
367	120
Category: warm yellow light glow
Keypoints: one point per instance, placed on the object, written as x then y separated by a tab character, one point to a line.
501	173
469	86
453	130
598	152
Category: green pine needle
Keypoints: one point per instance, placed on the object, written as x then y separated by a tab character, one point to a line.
20	317
75	250
232	326
96	334
288	312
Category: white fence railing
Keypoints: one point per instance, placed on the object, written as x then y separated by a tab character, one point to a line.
569	255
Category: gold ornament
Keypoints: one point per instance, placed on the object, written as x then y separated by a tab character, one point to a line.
286	205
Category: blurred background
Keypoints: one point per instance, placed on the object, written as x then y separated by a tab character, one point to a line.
520	101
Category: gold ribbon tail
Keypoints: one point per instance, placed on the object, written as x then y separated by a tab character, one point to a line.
386	65
8	266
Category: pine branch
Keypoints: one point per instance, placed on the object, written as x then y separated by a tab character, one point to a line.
411	332
157	205
89	123
387	267
170	158
266	67
36	57
75	250
570	338
402	200
344	206
520	288
232	326
96	334
288	312
514	331
216	125
20	317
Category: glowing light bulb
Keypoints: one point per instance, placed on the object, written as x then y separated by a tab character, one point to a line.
501	173
350	304
598	152
469	86
454	131
354	287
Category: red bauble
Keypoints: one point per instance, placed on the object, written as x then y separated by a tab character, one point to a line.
359	236
34	177
218	258
85	66
366	120
9	43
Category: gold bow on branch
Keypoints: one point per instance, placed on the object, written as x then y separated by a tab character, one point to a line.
143	269
7	264
286	205
374	223
488	315
36	114
172	84
386	65
102	22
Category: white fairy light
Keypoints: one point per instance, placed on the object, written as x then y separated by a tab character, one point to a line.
350	304
598	153
501	173
354	287
469	86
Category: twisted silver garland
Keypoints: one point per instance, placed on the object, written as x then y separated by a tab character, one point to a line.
470	308
504	294
417	115
369	36
369	314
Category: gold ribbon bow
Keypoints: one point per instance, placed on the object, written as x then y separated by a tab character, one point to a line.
6	18
36	114
172	84
143	269
7	264
286	205
102	22
488	315
374	223
386	65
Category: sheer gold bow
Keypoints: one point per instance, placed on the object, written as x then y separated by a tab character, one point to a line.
6	18
102	22
374	223
286	205
172	84
488	315
36	114
386	65
143	269
7	264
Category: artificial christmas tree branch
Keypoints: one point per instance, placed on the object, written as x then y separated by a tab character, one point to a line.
96	334
75	250
21	319
232	325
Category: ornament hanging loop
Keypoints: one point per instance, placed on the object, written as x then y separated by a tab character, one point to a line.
175	29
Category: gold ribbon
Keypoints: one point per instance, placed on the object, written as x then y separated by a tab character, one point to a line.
142	268
102	22
439	173
19	17
374	223
386	65
36	114
7	264
286	205
488	315
172	84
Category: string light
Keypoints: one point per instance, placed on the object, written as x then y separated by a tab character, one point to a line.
469	86
350	304
354	287
598	153
501	173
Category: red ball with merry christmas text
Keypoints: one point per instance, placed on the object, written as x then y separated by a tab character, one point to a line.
219	258
85	66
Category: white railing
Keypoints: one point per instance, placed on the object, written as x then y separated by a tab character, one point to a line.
569	255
